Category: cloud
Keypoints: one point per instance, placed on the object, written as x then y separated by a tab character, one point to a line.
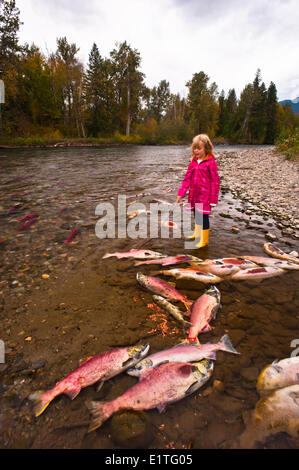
227	39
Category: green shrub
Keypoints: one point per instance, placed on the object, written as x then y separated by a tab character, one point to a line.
289	145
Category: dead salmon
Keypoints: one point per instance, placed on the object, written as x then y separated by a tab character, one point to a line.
272	250
193	274
137	254
157	387
279	374
276	262
222	270
183	353
240	263
159	287
170	260
171	309
101	367
203	310
260	272
279	411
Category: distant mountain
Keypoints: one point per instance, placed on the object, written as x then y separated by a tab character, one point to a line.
294	104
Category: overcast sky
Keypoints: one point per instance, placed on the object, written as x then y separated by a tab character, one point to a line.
227	39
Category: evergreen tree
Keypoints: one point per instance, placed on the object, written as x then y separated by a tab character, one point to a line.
243	115
221	120
128	83
230	110
98	95
257	118
159	100
68	80
202	104
9	27
271	115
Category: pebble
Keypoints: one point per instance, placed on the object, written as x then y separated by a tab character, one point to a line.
271	181
271	237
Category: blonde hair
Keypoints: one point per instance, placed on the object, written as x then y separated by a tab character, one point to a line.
205	140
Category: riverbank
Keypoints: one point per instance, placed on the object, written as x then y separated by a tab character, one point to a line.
119	140
266	179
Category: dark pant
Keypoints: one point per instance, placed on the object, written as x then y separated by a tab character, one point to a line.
202	219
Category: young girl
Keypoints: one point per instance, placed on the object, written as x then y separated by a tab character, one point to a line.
203	182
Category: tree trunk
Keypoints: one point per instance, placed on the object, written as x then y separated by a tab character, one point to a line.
128	105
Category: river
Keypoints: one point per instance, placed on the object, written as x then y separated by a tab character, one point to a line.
62	302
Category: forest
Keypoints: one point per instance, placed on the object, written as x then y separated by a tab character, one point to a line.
55	97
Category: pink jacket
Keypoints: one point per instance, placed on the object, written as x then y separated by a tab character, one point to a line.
203	183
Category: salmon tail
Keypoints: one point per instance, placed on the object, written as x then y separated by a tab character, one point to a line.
107	255
100	412
39	404
227	345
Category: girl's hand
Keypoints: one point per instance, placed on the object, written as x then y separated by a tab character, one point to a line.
178	199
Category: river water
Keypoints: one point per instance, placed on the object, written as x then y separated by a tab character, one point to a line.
62	302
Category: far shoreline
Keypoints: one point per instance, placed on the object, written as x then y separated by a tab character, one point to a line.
82	144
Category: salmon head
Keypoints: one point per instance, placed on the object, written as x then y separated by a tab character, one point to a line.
138	351
137	370
213	292
270	378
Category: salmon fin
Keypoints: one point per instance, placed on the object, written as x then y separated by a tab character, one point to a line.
100	385
161	407
39	405
227	345
82	361
97	414
107	255
72	393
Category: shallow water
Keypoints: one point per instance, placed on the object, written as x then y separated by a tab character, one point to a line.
88	305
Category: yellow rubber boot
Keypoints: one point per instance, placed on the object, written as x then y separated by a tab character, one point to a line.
196	234
204	238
